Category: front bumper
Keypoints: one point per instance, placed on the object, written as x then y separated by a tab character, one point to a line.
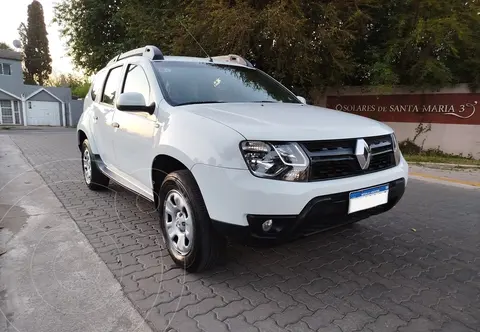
321	213
233	196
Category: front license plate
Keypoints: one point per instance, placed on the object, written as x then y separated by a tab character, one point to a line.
368	198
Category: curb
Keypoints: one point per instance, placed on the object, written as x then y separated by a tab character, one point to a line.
444	179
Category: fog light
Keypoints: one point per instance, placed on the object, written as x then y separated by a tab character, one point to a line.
267	225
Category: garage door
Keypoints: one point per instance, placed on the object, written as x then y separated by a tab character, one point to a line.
43	113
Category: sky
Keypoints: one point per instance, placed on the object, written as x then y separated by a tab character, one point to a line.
17	13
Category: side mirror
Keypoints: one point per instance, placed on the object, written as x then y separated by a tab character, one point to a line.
303	100
134	102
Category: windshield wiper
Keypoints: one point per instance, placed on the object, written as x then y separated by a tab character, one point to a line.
264	101
201	102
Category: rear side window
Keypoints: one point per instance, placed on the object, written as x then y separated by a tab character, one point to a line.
97	85
110	90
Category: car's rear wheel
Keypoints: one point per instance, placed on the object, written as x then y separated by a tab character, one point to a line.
188	232
94	178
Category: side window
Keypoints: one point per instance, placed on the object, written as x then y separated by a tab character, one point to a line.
136	81
110	90
97	85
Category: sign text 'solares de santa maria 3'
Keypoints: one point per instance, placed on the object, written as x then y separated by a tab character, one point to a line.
427	108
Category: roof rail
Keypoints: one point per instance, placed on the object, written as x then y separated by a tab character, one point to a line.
151	52
233	58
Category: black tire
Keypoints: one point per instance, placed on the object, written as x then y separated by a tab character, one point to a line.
208	246
98	180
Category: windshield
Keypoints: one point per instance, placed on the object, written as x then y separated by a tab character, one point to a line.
186	83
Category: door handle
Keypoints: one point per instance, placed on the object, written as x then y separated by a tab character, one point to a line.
95	118
115	125
157	125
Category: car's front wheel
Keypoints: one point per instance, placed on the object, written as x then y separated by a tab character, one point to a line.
94	178
189	235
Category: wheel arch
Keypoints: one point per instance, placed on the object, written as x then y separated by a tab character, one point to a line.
162	165
81	136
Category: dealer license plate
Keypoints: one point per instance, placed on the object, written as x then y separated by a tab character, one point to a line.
368	198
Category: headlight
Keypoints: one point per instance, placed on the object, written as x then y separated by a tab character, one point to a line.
280	161
396	149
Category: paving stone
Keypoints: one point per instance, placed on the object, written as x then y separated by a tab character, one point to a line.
181	322
227	294
318	286
401	310
386	323
262	311
176	304
255	297
298	327
340	305
209	323
374	275
268	325
204	306
239	324
276	295
200	290
313	303
419	324
291	315
370	308
455	327
353	321
233	309
322	318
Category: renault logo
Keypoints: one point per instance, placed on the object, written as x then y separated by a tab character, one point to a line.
363	153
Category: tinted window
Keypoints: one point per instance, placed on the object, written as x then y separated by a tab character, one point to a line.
110	90
136	81
192	82
98	84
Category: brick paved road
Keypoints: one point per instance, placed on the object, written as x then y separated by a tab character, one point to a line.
379	275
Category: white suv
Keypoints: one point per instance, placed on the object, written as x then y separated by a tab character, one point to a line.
223	149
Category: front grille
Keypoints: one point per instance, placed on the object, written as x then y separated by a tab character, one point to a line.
336	159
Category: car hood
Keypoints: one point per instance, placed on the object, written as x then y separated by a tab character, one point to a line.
289	122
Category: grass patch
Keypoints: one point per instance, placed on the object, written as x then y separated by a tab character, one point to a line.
458	160
414	153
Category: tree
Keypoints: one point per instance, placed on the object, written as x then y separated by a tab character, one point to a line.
5	46
424	43
94	30
306	44
38	63
78	85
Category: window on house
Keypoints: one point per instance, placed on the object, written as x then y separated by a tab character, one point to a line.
110	90
6	111
5	69
16	109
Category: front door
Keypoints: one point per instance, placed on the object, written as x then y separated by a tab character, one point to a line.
103	116
133	143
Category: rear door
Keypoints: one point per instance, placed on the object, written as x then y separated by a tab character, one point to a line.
103	115
133	143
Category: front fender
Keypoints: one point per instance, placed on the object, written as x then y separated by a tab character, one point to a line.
193	139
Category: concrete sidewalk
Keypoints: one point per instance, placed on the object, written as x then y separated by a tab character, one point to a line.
50	277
